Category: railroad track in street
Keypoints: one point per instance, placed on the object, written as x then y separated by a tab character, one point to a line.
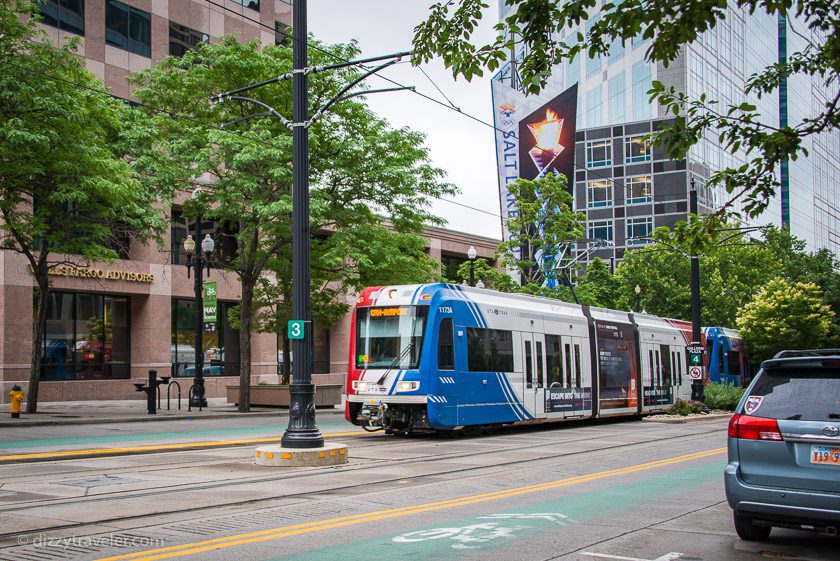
374	470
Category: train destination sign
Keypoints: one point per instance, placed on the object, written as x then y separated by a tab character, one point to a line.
388	312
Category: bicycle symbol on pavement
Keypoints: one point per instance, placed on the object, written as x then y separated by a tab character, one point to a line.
476	535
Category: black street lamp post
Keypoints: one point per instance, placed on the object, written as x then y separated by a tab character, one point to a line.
197	260
302	431
471	255
697	391
638	290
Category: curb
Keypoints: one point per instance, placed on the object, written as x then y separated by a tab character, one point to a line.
694	418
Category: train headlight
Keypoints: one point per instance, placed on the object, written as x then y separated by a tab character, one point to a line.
359	385
408	386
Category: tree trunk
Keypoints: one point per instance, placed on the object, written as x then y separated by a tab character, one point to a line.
246	314
43	294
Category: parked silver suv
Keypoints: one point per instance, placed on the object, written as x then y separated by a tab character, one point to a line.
784	447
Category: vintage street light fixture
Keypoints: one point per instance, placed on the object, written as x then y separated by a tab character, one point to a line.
198	260
471	255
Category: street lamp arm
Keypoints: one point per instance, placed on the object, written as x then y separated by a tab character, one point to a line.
347	88
286	122
246	118
220	98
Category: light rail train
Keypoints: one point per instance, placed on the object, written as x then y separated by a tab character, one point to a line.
441	357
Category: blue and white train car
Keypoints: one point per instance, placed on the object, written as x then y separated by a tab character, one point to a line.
726	357
443	357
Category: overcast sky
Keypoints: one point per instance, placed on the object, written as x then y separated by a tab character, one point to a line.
458	144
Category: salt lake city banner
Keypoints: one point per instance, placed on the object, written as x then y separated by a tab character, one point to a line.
535	136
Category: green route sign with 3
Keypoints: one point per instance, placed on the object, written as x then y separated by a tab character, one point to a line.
296	329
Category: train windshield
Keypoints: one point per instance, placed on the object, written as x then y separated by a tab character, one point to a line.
389	337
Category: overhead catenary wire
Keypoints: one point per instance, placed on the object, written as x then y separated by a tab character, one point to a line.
344	61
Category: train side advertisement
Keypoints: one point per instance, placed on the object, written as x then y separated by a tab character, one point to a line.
617	368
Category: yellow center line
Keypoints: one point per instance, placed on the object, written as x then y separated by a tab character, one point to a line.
159	447
321	525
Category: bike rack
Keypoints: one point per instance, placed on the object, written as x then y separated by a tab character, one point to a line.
168	389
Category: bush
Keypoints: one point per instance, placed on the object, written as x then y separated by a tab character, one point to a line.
684	408
723	396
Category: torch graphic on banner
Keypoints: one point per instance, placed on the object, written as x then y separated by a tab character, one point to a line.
547	145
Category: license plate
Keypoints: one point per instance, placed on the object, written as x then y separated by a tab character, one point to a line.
825	455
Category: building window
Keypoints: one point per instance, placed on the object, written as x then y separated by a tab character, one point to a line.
128	28
639	230
220	347
67	15
182	39
224	234
601	230
599	193
641	85
636	149
598	153
281	34
252	4
86	337
616	94
594	110
639	189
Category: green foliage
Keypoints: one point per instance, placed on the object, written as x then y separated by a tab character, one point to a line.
540	29
685	408
542	225
490	276
65	184
724	397
363	174
784	315
733	268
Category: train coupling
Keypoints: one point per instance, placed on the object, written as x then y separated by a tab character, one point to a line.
371	416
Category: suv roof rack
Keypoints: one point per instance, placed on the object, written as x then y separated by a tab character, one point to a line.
807	353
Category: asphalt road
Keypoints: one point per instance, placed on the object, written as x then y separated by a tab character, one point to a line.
626	490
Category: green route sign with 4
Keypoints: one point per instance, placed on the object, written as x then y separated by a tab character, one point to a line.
296	328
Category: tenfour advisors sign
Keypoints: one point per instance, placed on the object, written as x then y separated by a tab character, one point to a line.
101	274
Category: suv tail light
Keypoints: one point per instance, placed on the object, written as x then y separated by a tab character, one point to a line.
754	428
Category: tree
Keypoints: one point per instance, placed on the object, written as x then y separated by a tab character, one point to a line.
65	187
732	268
363	173
784	315
550	32
598	286
541	227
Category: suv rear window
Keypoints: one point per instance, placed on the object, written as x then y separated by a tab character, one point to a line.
805	394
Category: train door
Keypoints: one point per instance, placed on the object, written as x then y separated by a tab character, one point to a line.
578	375
655	377
681	379
535	368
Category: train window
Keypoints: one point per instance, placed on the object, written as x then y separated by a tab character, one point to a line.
568	365
577	367
539	364
733	359
529	369
658	370
554	360
667	372
389	337
650	368
489	350
446	348
679	367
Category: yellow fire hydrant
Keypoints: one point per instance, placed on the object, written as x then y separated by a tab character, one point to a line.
16	397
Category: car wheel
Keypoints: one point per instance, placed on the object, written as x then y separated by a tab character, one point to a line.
748	530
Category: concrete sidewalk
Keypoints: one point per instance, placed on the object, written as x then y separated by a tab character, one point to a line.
128	411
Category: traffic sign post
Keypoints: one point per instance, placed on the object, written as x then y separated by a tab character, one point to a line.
695	370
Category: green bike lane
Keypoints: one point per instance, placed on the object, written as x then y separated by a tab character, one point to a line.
509	521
